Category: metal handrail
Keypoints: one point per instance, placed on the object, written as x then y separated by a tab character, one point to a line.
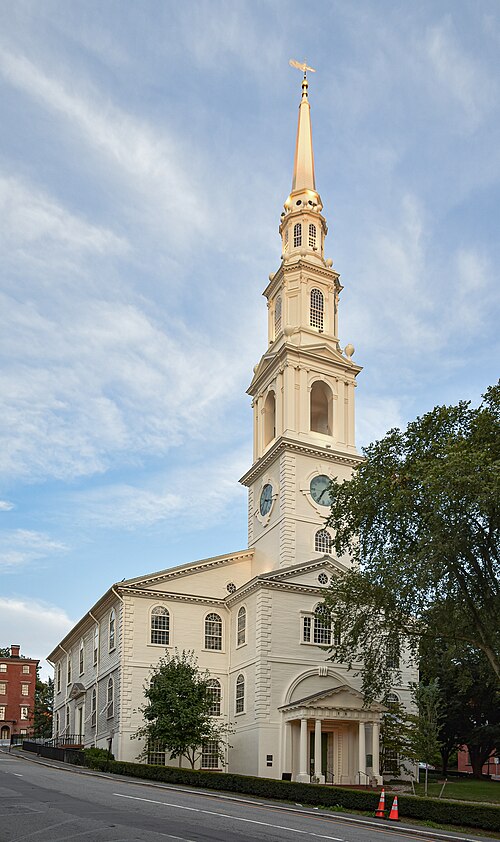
366	776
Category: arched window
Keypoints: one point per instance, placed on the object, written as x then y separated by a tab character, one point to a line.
277	316
391	701
322	626
241	636
269	418
312	236
317	309
96	645
321	408
81	658
58	682
112	629
160	626
68	676
240	694
322	541
213	632
297	235
93	709
110	702
214	689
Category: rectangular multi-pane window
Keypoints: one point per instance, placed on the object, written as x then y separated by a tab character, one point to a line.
156	754
26	669
81	660
3	667
322	629
2	712
24	689
3	688
210	755
307	629
24	712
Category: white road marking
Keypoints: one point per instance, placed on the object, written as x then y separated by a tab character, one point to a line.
233	818
17	774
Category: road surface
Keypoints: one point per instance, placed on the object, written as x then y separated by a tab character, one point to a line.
43	803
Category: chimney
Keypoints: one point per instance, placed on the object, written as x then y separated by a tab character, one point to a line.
14	650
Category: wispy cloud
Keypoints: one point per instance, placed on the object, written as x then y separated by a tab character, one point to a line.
21	547
459	74
6	506
36	625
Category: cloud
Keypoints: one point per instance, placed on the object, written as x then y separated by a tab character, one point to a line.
375	416
152	163
458	74
6	506
21	547
194	496
36	626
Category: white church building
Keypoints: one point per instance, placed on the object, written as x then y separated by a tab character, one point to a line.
250	615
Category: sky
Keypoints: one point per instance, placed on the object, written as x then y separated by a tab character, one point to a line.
146	150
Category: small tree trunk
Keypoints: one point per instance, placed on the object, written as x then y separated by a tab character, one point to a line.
426	778
445	756
477	760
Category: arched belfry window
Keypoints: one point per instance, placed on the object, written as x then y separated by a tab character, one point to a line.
269	418
297	235
316	314
321	408
312	236
277	316
322	541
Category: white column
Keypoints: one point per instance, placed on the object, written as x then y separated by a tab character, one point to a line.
287	748
303	776
317	752
361	753
376	751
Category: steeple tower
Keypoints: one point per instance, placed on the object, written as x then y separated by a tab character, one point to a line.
303	386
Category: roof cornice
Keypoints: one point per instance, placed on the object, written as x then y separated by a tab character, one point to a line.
283	443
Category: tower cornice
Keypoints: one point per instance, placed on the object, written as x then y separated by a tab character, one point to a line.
292	264
296	355
285	444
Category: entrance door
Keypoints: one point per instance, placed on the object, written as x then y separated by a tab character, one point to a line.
5	733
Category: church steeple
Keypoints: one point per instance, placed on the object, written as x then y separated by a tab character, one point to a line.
303	386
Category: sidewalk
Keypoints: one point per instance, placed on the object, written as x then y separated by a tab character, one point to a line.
350	818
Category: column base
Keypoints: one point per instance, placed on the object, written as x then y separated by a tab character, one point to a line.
318	779
303	779
376	780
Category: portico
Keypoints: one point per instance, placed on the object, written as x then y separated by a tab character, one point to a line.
330	737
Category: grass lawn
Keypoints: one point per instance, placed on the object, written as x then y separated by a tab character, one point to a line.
463	789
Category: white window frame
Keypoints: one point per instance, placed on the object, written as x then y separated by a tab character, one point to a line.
323	541
3	667
68	669
93	708
25	689
215	688
26	669
210	755
240	697
112	630
95	645
241	628
22	710
297	235
312	235
167	630
58	677
3	709
312	629
81	657
317	309
209	618
3	688
110	698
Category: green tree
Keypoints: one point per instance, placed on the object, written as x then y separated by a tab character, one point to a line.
178	713
397	751
426	725
4	651
420	518
470	700
44	701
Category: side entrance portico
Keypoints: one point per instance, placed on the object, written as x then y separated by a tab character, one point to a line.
331	737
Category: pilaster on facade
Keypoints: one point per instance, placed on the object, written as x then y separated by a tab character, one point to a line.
287	526
263	633
126	694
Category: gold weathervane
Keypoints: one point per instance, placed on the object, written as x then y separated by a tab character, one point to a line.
301	66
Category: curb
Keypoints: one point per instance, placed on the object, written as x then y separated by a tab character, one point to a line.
298	808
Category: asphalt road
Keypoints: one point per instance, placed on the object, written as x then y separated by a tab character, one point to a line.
55	804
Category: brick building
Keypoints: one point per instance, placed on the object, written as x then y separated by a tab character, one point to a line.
17	693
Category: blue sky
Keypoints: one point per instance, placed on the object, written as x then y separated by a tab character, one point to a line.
145	153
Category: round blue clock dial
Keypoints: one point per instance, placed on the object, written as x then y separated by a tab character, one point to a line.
319	488
266	499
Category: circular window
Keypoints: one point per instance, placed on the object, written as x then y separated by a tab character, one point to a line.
231	587
323	579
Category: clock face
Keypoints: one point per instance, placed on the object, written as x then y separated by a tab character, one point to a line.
266	499
319	490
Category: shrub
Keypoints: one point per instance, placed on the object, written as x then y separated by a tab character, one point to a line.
410	807
95	755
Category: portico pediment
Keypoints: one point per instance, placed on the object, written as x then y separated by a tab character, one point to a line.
332	702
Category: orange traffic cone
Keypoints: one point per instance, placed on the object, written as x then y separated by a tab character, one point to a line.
381	806
394	814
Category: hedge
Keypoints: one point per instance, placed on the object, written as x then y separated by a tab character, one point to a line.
410	807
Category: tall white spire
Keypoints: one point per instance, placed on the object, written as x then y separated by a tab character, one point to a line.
303	167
